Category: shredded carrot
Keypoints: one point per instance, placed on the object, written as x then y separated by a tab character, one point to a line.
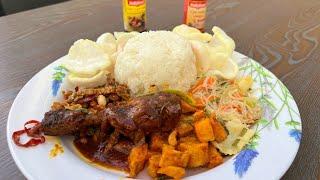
202	84
199	103
237	95
210	80
198	83
238	109
195	87
221	96
211	98
225	107
232	81
231	106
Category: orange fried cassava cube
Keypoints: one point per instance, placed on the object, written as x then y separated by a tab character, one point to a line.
137	158
172	139
203	130
172	171
153	165
172	157
198	153
157	142
152	153
220	134
215	157
190	139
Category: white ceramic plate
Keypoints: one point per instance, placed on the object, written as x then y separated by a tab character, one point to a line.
268	156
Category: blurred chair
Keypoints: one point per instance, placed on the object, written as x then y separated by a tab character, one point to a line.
1	10
14	6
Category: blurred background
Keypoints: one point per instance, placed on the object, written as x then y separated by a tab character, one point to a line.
13	6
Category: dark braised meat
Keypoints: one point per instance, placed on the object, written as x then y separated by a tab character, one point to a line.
153	113
117	134
138	117
116	157
62	122
123	146
66	122
111	141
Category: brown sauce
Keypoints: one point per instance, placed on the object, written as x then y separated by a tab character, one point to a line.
92	151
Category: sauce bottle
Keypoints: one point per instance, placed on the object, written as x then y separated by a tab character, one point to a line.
134	15
195	13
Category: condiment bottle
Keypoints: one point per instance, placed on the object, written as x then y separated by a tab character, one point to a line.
134	15
195	13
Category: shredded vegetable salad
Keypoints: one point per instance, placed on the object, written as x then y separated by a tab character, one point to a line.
227	100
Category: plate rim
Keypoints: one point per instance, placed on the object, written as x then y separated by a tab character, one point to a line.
12	153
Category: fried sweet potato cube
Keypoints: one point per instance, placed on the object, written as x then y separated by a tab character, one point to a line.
198	153
184	129
167	147
137	159
171	157
172	171
204	130
172	139
153	165
157	142
152	153
220	134
215	157
189	139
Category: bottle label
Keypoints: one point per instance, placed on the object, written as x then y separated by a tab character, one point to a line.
135	2
195	13
134	15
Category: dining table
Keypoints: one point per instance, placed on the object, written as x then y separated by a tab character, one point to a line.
282	35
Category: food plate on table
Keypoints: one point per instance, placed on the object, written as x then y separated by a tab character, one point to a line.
158	104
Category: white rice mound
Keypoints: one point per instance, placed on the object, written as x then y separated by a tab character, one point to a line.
160	58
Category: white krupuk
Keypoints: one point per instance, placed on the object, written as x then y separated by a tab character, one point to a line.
191	33
88	64
87	82
108	42
215	57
